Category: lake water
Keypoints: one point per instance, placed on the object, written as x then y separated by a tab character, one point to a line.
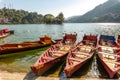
21	61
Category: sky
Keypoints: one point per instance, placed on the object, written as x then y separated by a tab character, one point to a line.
67	7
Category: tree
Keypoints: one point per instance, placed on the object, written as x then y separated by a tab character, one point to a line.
49	19
59	19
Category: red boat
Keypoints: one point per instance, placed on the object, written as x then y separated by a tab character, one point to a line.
81	53
17	47
118	40
5	32
109	54
54	54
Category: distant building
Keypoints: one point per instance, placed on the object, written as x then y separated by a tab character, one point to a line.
3	20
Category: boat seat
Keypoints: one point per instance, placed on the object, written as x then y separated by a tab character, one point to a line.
48	58
44	59
75	59
19	46
117	63
71	63
57	52
9	47
57	55
81	53
112	54
80	56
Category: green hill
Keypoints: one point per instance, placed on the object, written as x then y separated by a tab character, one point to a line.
106	12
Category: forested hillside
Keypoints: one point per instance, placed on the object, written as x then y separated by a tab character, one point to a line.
24	17
106	12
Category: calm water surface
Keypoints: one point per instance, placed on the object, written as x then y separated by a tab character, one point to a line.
21	61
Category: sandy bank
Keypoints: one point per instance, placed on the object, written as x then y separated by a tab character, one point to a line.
5	75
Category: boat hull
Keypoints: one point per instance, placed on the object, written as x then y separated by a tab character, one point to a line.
71	70
107	54
81	54
46	66
110	72
14	50
5	35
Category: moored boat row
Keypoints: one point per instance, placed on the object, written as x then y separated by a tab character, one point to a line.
80	53
107	47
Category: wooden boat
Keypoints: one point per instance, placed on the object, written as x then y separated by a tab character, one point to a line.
118	40
54	54
109	54
17	47
5	32
81	53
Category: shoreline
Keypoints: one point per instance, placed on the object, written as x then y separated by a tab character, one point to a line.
6	75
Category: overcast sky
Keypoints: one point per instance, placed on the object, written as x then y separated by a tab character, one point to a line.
68	7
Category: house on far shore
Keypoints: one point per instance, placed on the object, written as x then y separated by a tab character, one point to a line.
3	20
